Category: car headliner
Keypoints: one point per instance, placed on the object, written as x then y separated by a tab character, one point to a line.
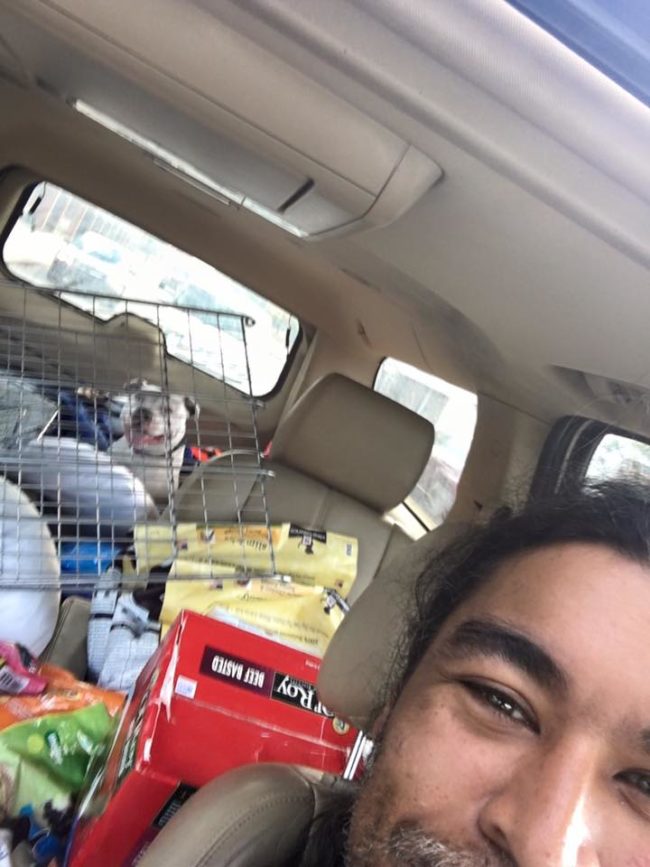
522	275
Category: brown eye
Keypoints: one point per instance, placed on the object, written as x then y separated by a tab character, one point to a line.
501	703
640	780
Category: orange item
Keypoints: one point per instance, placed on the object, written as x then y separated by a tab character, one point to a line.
201	455
64	693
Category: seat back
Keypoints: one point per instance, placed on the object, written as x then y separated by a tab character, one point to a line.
254	816
371	633
341	459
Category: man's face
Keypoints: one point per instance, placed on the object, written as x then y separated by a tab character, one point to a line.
523	737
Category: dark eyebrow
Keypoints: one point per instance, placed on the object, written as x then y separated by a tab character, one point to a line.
494	638
645	740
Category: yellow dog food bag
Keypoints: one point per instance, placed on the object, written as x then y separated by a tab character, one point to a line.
302	612
294	614
312	557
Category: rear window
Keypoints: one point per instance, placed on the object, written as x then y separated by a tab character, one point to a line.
619	456
60	242
452	411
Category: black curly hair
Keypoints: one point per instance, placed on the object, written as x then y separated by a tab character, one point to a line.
615	514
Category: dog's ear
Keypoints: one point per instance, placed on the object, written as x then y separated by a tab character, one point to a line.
135	385
192	407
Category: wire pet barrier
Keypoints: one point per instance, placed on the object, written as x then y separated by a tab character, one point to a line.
107	408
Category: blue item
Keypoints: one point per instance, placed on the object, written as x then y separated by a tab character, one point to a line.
46	846
88	558
81	419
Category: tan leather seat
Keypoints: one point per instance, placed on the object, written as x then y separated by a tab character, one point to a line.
256	815
67	647
360	658
343	457
260	815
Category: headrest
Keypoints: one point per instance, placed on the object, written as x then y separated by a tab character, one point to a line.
356	441
359	660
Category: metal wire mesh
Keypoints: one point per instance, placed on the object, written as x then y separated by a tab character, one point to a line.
119	419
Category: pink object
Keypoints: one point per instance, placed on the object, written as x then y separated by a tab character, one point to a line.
19	671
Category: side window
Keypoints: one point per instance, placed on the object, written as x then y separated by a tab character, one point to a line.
618	456
452	411
60	242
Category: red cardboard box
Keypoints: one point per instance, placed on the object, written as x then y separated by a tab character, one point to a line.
212	697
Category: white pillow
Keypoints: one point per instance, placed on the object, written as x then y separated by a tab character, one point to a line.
87	486
27	555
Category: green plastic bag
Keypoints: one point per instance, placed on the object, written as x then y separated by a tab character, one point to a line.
47	759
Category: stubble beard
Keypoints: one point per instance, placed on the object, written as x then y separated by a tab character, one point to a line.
407	844
410	846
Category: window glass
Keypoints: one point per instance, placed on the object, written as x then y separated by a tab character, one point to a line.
619	456
452	411
63	242
613	35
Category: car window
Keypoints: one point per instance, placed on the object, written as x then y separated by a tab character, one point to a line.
60	241
619	455
452	411
613	36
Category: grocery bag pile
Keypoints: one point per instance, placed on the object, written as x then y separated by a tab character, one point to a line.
53	731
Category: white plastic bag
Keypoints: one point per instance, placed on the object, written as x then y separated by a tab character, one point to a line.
27	555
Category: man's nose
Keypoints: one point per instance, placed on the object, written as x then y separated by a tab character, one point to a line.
544	813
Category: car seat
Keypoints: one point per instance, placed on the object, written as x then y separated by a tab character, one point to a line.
342	458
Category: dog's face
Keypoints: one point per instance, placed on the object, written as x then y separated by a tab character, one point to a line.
155	423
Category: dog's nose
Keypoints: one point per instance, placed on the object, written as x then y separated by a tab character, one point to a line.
141	416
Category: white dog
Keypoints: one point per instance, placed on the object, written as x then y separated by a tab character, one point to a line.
155	428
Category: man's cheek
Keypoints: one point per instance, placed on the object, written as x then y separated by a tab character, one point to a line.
433	762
